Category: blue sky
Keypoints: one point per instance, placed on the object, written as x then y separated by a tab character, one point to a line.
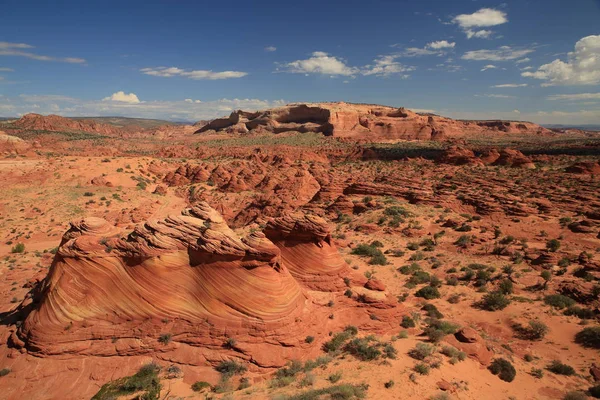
188	60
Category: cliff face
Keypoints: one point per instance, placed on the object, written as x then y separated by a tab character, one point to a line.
55	123
365	122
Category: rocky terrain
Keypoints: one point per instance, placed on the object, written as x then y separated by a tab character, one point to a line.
312	251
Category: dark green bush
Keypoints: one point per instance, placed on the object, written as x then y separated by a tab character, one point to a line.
589	337
428	292
559	301
504	369
494	301
560	369
201	385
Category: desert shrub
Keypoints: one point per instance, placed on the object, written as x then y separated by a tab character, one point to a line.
580	312
428	292
291	369
339	339
333	378
229	343
339	392
432	311
505	286
407	322
282	382
378	259
145	380
376	243
503	368
419	277
364	349
417	256
452	281
201	385
559	301
589	337
230	368
309	365
421	351
553	245
535	330
575	396
165	338
389	384
564	262
308	380
494	301
4	371
18	248
537	373
422	369
453	353
560	369
309	339
463	241
595	391
244	384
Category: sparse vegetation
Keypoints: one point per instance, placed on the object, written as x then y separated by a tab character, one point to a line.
503	368
145	380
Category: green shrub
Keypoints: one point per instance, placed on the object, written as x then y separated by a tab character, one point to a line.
407	322
200	386
453	353
421	351
560	369
504	369
463	241
559	301
4	371
291	369
595	391
428	292
333	378
309	339
422	369
364	349
575	396
230	368
388	384
494	301
165	338
18	248
589	337
339	392
537	373
505	286
553	245
432	311
145	380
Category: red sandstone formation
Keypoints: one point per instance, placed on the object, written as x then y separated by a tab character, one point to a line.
190	275
55	123
364	122
586	168
308	252
460	156
12	144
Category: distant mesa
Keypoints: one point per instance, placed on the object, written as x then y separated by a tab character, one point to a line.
358	121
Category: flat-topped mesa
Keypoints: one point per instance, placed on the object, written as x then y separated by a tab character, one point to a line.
189	269
363	122
308	252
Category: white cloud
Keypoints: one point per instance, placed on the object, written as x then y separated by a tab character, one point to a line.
120	96
523	60
6	70
441	44
503	53
168	72
270	48
193	101
480	34
319	63
582	66
510	85
526	68
495	96
517	111
21	50
489	66
480	18
172	110
575	97
484	17
386	66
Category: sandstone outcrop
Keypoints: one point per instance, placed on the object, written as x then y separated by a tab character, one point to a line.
362	121
12	144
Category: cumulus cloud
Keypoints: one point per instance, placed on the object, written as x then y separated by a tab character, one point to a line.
168	72
23	50
484	17
503	53
170	110
441	44
575	97
386	66
510	85
122	97
581	68
480	34
489	66
319	63
270	49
